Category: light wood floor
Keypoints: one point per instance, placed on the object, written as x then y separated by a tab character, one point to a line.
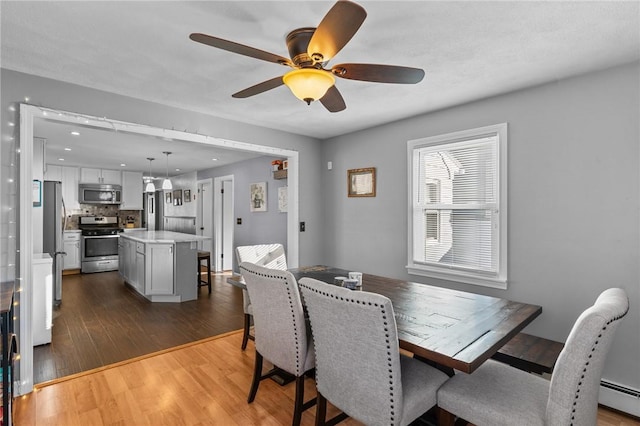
203	383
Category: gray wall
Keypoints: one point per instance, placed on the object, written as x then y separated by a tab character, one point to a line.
573	169
8	183
256	227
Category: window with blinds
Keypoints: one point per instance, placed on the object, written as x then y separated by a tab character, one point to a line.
457	223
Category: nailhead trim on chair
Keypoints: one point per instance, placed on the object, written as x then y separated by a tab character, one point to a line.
386	331
299	367
584	370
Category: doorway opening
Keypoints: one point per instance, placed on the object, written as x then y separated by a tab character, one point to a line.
31	113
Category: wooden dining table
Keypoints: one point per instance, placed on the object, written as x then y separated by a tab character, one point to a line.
449	328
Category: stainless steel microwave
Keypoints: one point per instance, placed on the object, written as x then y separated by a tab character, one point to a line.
93	193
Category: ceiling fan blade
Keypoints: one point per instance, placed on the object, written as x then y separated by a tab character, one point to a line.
335	30
332	100
259	88
379	73
241	49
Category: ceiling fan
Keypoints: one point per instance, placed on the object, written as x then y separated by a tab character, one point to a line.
310	50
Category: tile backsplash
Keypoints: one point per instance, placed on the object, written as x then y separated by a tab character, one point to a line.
124	216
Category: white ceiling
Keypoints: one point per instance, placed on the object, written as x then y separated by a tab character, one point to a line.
469	50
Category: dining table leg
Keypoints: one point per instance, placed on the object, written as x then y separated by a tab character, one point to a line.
446	370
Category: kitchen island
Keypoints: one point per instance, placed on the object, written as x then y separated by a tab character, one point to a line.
160	265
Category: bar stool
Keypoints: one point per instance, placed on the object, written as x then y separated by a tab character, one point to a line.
204	255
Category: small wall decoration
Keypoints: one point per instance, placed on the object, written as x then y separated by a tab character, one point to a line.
283	198
361	182
177	197
187	195
167	197
258	193
37	193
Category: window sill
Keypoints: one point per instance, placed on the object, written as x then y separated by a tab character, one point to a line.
458	276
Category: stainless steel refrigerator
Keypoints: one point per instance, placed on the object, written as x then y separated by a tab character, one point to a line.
53	223
154	211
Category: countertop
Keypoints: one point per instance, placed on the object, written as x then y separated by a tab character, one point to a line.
127	230
162	237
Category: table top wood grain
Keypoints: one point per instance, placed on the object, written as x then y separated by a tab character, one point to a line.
454	329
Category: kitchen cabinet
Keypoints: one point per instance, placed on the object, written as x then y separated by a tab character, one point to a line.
69	176
159	269
140	267
53	172
127	261
103	176
165	262
71	246
131	191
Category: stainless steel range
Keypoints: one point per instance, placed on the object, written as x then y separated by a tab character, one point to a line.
99	243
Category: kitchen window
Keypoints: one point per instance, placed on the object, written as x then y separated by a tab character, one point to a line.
457	214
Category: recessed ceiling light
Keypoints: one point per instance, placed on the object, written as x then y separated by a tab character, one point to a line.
177	170
74	133
60	159
26	99
122	165
214	159
67	149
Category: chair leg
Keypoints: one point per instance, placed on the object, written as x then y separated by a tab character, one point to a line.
257	373
321	410
445	418
209	273
247	327
298	404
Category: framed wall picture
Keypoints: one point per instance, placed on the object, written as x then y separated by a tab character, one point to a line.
177	197
187	195
258	192
167	197
361	182
283	196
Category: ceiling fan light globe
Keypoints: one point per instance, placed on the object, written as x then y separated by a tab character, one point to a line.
166	185
150	187
308	84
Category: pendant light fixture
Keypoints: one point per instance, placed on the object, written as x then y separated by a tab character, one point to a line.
166	183
150	186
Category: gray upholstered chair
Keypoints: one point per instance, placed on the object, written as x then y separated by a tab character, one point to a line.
268	255
359	368
496	394
282	335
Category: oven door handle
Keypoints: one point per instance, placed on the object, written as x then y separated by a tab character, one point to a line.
92	237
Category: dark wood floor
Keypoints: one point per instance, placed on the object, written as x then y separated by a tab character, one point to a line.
101	321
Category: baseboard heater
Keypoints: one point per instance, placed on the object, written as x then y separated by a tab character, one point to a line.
620	397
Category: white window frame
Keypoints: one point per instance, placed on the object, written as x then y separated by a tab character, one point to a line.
497	280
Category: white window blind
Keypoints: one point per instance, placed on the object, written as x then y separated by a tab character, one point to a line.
456	213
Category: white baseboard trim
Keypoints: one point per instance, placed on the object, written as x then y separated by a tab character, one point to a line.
620	397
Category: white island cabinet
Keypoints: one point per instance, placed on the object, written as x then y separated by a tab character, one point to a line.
161	265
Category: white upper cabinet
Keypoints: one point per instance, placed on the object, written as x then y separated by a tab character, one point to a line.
68	175
104	176
131	191
53	172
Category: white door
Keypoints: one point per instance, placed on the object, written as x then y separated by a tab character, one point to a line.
205	215
227	225
223	223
